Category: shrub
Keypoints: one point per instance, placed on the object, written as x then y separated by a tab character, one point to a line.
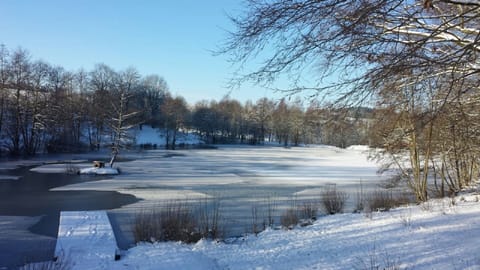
271	209
308	210
380	201
174	222
146	227
263	213
297	213
258	225
289	218
71	168
210	218
333	201
360	199
384	200
179	224
179	221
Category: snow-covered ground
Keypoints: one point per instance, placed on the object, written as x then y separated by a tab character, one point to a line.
441	234
86	236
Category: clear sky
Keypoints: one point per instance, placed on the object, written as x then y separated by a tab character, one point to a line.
173	39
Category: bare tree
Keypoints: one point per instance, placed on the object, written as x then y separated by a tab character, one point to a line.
120	125
263	116
313	123
151	94
103	80
19	79
297	123
393	52
205	119
175	112
44	107
363	42
4	74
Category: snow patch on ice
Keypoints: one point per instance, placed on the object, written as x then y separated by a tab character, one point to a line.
98	171
9	177
50	168
11	165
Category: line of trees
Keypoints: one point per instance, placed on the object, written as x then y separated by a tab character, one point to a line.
47	108
287	123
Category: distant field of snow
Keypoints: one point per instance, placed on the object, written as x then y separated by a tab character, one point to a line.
149	135
441	234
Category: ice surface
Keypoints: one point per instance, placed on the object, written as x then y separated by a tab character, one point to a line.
82	168
9	177
263	165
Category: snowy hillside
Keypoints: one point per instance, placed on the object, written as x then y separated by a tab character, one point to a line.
442	234
149	135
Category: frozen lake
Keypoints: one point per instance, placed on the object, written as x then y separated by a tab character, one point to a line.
242	177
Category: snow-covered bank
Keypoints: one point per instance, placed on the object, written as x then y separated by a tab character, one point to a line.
441	234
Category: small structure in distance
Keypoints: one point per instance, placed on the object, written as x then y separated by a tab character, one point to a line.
98	168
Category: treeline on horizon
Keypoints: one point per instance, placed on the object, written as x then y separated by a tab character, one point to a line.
45	108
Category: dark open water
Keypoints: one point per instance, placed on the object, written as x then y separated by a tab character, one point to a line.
30	196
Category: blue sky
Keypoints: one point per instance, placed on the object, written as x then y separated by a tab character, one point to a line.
173	39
